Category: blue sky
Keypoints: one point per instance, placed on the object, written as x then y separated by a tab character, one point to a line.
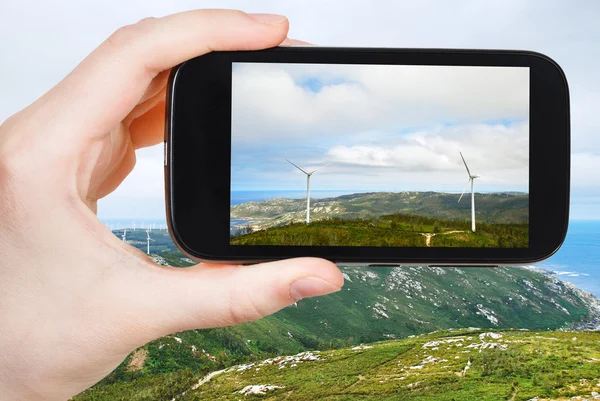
383	128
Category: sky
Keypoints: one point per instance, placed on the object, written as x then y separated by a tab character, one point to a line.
43	41
379	127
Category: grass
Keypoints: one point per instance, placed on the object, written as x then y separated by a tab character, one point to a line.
394	230
415	300
519	365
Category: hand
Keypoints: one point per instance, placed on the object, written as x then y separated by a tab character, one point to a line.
74	299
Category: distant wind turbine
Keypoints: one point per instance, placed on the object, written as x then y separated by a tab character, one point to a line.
133	223
308	175
124	237
148	239
471	181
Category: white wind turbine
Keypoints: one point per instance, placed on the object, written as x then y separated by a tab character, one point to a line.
471	181
133	223
308	175
124	237
148	239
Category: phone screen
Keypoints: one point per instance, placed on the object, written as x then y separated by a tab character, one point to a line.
379	155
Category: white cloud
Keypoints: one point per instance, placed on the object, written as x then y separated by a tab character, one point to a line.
490	147
270	102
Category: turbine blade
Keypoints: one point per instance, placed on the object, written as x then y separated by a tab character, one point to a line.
463	159
296	167
465	190
319	168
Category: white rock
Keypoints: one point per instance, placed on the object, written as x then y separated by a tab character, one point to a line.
258	389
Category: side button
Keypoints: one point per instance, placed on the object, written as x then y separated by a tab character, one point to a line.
165	154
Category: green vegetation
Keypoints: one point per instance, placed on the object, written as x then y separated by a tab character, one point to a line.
399	230
468	364
379	304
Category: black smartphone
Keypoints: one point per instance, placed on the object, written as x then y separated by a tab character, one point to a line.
368	156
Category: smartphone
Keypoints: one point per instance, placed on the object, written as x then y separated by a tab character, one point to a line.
372	156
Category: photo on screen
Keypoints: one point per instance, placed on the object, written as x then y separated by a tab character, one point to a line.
379	155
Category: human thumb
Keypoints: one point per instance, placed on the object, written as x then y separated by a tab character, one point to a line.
209	295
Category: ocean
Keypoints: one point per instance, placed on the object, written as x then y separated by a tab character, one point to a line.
578	260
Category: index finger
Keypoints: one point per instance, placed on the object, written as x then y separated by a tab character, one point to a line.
106	85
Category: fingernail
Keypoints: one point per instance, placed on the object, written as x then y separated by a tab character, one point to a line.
271	19
311	287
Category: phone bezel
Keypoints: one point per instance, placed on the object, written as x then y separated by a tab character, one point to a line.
198	203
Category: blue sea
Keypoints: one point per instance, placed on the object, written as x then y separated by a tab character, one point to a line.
578	260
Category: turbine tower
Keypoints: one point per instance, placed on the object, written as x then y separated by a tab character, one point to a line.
471	181
148	240
124	237
133	223
307	187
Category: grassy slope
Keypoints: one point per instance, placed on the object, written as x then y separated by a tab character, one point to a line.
415	300
375	304
399	230
520	366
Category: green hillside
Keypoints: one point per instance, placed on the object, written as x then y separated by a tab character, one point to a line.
453	365
495	208
375	304
398	230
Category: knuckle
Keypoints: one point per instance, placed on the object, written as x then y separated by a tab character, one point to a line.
128	34
13	152
122	37
9	124
146	20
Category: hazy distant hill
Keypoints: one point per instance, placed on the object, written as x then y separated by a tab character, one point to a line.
506	207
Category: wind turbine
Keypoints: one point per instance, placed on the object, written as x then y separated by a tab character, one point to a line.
148	239
307	187
124	237
471	181
133	223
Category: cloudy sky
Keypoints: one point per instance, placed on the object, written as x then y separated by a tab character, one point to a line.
43	41
382	127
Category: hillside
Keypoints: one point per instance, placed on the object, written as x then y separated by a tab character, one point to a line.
375	304
452	365
398	230
490	208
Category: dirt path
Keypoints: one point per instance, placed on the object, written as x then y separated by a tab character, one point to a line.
138	358
428	236
202	381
